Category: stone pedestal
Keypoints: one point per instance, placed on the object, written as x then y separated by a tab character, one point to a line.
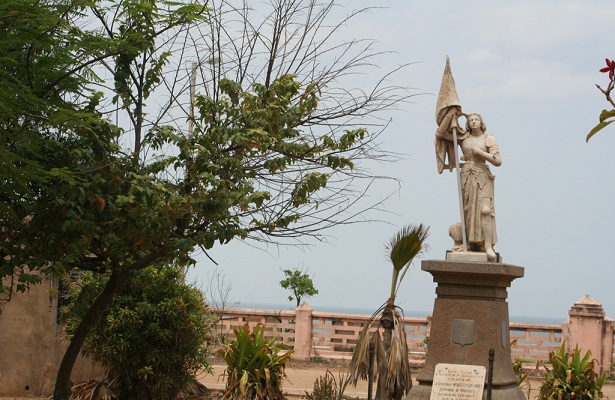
470	316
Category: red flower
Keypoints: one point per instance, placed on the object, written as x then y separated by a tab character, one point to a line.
610	68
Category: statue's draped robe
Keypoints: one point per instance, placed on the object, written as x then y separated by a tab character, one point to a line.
477	185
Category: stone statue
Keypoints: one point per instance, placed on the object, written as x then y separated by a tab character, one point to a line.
476	180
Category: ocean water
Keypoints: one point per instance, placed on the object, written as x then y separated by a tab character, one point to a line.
370	311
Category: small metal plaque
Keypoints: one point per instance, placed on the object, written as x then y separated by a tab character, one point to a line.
464	331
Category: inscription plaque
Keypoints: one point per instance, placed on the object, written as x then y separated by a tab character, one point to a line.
458	382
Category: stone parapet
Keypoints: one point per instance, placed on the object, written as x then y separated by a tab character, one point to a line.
590	330
32	342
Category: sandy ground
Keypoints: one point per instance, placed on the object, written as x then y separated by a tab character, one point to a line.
301	377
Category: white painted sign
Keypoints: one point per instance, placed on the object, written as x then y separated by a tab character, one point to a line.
458	382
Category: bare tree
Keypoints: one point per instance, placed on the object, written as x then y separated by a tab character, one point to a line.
256	43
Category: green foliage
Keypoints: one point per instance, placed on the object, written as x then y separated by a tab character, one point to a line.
75	192
403	247
153	339
71	196
606	118
98	172
327	387
522	376
299	283
255	366
571	376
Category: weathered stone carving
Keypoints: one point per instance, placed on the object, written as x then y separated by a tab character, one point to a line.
476	181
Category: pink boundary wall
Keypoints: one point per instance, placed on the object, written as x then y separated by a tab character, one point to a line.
32	341
333	336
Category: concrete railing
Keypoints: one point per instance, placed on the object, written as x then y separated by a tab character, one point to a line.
534	342
32	341
333	336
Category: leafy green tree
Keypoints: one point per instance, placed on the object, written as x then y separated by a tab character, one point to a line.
299	283
99	171
390	352
153	338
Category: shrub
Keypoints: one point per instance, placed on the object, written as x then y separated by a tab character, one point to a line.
328	388
571	377
255	366
153	338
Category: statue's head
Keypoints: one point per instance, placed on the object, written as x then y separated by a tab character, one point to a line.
483	127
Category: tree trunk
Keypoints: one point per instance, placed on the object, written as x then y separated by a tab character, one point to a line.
116	280
63	383
386	321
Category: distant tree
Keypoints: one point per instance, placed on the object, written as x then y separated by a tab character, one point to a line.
299	283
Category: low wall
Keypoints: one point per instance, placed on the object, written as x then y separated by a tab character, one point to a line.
32	342
315	334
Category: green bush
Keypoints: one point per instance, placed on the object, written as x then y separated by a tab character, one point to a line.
255	366
326	387
152	339
571	377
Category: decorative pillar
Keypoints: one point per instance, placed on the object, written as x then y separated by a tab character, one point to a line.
589	329
303	332
469	318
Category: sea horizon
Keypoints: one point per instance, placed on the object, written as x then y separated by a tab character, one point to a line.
370	311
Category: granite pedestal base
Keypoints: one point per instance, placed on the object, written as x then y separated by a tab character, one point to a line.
470	316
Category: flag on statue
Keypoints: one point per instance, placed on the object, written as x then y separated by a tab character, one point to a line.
448	110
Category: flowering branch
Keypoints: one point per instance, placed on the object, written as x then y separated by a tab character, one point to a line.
610	68
606	116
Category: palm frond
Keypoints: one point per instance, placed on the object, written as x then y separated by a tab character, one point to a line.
398	364
408	243
95	389
359	365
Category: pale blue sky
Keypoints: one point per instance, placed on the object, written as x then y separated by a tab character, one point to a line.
529	67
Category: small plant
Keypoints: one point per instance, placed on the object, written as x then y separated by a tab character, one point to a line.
571	377
326	387
255	366
522	378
